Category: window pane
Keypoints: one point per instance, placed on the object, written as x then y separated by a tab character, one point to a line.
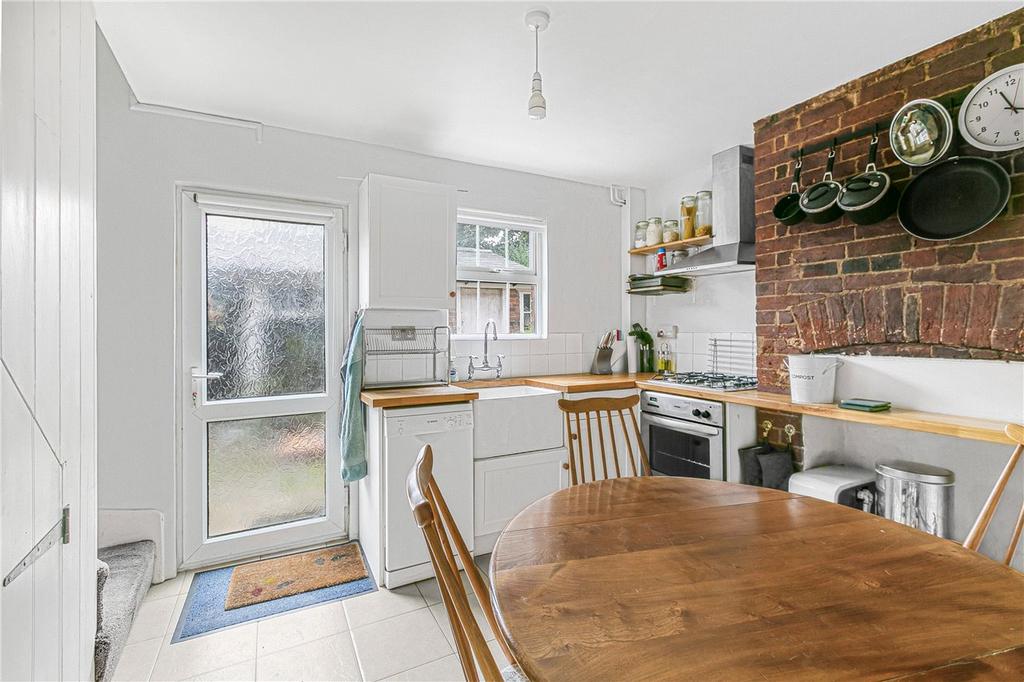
264	471
522	309
492	247
265	322
476	310
520	250
465	245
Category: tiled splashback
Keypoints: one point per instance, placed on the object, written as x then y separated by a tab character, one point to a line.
696	351
558	354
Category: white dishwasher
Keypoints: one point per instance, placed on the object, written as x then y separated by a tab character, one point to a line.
448	429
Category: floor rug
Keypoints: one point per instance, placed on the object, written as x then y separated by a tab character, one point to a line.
284	576
204	610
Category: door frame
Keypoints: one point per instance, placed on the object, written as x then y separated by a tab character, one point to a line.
340	292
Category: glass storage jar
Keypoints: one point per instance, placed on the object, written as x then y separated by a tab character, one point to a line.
688	216
653	231
640	235
704	214
670	231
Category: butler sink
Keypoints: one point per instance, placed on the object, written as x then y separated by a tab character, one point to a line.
512	419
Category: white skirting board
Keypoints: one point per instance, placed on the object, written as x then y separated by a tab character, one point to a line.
118	526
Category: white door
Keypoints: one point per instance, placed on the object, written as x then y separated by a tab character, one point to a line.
47	341
262	306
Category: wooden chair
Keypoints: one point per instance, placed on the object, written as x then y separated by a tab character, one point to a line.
578	454
439	530
974	538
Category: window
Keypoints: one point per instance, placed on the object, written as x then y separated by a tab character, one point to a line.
500	273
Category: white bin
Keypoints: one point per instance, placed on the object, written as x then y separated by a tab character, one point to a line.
812	378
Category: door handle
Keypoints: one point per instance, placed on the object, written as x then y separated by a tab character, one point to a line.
208	375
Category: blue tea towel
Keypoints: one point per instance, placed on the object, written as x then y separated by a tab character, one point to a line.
353	436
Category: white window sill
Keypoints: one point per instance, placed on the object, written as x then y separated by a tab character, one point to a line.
501	337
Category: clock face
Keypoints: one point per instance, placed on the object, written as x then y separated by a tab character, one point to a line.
992	116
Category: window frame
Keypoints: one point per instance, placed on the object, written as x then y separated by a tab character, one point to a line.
480	275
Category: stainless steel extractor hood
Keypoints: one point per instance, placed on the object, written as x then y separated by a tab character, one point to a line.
732	248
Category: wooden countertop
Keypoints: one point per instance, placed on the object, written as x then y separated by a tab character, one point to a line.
972	428
910	420
412	397
681	578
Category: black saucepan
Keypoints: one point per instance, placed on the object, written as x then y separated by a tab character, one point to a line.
820	201
954	198
787	209
870	197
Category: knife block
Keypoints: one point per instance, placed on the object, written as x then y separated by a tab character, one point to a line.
602	363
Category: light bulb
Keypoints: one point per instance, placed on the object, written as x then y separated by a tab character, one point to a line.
538	106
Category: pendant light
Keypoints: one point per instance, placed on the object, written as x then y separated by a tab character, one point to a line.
537	20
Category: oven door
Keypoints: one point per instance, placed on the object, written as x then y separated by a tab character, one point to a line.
680	448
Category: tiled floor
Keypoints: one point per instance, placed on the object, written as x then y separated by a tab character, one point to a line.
400	634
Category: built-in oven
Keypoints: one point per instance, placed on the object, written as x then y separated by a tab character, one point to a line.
683	436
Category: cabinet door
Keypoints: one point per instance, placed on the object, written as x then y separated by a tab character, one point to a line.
505	486
409	237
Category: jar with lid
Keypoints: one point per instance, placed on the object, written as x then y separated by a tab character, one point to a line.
640	235
688	216
704	214
670	231
653	231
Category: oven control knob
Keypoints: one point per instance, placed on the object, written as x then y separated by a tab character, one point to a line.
706	414
695	413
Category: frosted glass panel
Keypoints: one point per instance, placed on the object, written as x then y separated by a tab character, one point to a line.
265	319
264	471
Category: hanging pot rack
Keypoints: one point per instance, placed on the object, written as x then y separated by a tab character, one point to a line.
950	101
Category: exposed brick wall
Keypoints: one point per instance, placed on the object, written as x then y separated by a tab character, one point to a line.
874	288
777	435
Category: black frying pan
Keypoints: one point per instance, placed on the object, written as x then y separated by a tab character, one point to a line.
787	209
954	198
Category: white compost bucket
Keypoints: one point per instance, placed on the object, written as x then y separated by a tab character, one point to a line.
812	378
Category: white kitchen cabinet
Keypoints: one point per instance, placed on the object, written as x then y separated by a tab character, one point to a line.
406	243
504	486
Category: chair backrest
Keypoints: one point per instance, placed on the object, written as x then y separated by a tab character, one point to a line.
977	534
585	417
440	532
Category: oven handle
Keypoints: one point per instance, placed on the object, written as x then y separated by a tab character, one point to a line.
680	425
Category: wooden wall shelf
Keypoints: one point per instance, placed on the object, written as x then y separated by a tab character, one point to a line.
671	246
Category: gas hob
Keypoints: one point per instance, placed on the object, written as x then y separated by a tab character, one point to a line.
713	381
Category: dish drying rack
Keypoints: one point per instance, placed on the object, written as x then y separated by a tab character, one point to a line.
406	344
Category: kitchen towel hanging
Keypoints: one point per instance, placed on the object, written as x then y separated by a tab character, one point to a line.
353	435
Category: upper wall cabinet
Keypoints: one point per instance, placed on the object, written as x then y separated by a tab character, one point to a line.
406	243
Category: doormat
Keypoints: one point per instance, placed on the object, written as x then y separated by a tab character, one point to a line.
284	576
206	610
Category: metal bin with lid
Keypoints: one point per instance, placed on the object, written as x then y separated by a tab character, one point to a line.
917	495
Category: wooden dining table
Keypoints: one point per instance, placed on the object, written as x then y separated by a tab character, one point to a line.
687	579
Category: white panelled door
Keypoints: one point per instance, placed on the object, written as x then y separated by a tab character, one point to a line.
262	306
47	341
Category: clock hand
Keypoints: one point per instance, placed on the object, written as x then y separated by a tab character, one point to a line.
1007	100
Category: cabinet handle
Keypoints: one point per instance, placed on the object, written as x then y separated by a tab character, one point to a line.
565	465
451	294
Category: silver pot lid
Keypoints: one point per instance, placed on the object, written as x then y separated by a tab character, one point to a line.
914	471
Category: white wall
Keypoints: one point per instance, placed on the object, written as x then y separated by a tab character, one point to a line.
141	158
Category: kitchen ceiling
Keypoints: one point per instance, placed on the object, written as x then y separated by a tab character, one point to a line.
637	92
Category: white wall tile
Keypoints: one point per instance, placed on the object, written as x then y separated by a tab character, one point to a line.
516	366
556	363
519	347
684	362
414	367
538	364
556	344
574	363
538	346
700	363
574	343
389	369
700	343
684	342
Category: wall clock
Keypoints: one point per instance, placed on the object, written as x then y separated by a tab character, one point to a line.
992	116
